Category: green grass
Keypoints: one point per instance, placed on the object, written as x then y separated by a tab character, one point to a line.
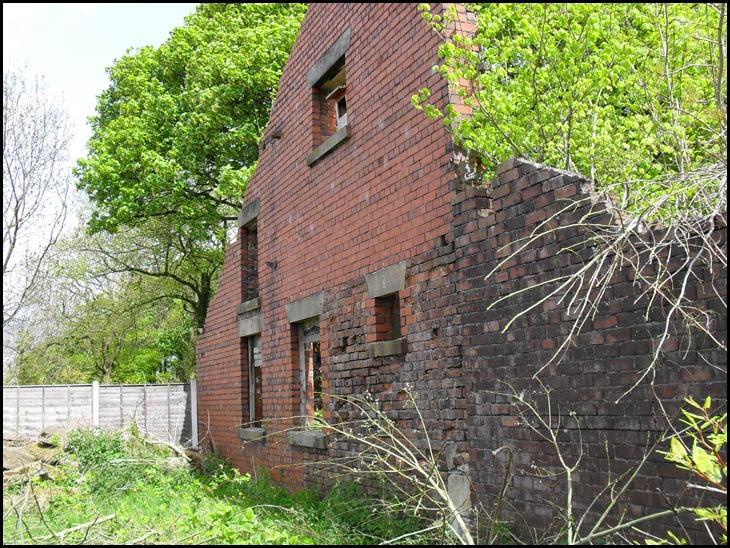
153	503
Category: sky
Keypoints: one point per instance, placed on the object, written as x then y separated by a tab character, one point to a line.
71	45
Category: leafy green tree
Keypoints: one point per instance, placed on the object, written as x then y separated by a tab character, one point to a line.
176	134
109	341
89	340
95	324
621	93
161	348
175	139
179	266
632	96
110	338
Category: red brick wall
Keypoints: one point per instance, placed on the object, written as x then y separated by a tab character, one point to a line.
221	378
390	170
378	198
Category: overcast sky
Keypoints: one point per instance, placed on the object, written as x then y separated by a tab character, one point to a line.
72	44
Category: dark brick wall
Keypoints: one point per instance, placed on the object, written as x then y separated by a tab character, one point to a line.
430	368
610	354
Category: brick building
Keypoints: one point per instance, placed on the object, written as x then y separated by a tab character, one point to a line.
360	267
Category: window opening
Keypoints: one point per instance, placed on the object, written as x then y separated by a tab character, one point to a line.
339	99
341	112
250	263
310	364
387	317
331	93
255	388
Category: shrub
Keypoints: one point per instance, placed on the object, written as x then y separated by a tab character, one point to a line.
94	448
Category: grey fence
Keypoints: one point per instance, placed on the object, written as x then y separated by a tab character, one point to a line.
165	411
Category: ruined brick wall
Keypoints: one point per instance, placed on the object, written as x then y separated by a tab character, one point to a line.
607	357
219	359
376	199
387	195
429	368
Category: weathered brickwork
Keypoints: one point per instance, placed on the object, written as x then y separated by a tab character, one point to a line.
221	391
376	250
609	355
376	199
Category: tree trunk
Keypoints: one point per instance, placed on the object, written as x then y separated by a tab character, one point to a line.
200	310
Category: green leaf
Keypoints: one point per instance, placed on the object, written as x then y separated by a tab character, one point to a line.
530	65
705	463
177	131
677	451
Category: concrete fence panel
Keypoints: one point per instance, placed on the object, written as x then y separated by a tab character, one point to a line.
164	411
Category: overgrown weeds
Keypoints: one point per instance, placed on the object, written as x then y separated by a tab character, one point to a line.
110	490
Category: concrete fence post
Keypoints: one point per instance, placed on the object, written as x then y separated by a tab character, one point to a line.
95	404
17	410
144	407
194	410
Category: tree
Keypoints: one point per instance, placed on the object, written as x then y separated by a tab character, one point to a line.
36	138
179	266
631	94
94	324
175	139
176	134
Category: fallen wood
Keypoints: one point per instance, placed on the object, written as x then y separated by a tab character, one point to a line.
178	450
16	456
26	472
19	474
77	527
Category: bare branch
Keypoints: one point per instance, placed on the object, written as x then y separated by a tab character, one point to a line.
36	183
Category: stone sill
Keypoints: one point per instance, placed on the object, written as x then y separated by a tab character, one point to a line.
381	349
248	306
312	439
251	434
338	137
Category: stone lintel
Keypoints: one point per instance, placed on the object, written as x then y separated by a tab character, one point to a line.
250	326
385	281
248	214
330	57
303	309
